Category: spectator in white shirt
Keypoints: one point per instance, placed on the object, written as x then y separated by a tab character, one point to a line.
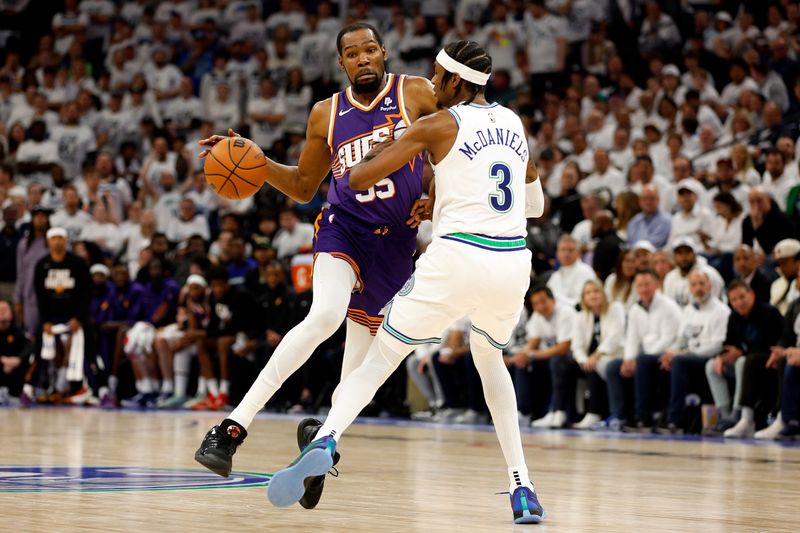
739	82
728	182
621	154
549	333
71	217
784	290
188	222
658	32
225	110
572	273
180	112
547	44
160	160
693	219
251	29
294	236
597	338
604	178
163	78
676	283
75	142
417	47
701	332
652	328
102	230
619	284
266	114
36	156
726	233
776	180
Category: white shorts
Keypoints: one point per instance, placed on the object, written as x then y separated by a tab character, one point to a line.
478	277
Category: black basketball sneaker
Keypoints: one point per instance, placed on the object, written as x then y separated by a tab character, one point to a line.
306	431
217	449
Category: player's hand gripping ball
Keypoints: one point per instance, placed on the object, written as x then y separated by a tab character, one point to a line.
234	168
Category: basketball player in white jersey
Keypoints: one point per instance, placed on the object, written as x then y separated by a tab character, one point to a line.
477	265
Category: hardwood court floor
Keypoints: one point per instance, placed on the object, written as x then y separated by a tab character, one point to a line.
402	477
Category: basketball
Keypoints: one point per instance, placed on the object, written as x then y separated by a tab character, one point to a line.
234	168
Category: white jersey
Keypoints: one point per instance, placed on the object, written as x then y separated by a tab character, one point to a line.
480	183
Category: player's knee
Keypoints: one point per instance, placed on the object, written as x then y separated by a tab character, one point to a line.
479	344
325	320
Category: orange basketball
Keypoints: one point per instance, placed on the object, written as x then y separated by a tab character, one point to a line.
235	168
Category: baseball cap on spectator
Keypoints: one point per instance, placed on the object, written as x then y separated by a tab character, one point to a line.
724	16
787	248
39	208
691	185
547	154
196	279
17	191
261	242
56	232
644	245
99	268
670	70
684	242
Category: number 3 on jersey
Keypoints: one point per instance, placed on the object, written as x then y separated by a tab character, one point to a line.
383	190
503	201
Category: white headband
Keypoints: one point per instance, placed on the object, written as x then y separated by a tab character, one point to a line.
451	65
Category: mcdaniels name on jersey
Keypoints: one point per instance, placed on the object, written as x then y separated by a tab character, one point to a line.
495	137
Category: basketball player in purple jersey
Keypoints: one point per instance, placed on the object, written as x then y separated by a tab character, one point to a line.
363	246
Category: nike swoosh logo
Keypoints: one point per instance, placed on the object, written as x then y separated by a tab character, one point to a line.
343	113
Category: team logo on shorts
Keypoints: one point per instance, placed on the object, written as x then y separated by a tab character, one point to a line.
117	479
409	285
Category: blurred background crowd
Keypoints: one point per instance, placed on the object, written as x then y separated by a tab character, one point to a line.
665	266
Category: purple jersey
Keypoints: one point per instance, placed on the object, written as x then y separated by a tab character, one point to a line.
353	130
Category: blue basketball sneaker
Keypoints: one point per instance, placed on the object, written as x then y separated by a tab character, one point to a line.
287	486
526	506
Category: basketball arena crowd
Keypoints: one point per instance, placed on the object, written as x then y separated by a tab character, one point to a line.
665	271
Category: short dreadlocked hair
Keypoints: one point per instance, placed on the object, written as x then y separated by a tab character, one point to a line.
472	55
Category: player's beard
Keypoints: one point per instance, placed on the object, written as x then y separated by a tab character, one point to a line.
368	87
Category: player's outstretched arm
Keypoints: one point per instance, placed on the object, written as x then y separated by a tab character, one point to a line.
434	133
300	182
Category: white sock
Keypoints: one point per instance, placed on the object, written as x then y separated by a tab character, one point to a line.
747	415
113	381
224	386
182	365
144	386
333	281
202	386
166	386
498	390
62	385
362	384
212	386
518	477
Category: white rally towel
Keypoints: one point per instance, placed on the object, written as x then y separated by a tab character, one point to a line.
75	365
76	348
139	339
48	352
